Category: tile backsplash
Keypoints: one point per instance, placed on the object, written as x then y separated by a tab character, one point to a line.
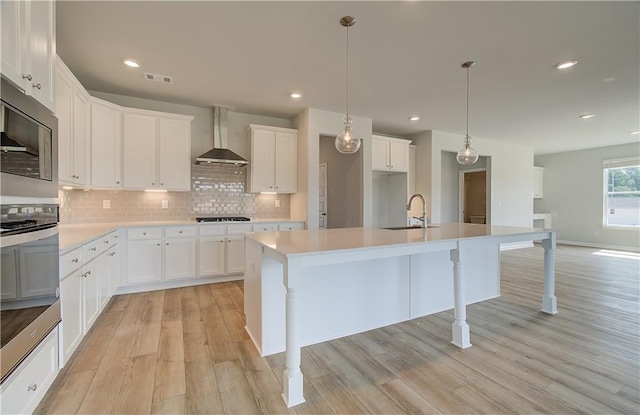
215	191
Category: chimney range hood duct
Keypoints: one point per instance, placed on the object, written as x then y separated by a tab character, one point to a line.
220	154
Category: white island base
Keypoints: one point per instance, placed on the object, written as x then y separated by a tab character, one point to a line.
306	287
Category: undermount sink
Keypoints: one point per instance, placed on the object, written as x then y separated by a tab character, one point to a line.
399	228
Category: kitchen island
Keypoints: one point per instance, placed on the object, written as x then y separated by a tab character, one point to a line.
306	287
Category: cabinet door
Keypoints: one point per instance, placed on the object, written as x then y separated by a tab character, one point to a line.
174	155
398	156
380	154
9	276
91	295
144	261
41	44
71	310
139	151
13	41
262	167
106	152
286	162
36	261
104	279
235	254
179	258
80	136
114	269
211	256
64	113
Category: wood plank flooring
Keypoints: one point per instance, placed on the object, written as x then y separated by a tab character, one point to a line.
185	351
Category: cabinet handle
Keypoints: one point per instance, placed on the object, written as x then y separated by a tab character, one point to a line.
106	242
115	236
89	272
75	260
270	187
144	233
179	231
37	86
117	181
153	184
157	244
112	254
161	184
28	77
94	249
84	275
32	387
167	243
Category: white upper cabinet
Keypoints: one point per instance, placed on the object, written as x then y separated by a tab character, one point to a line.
106	145
274	159
156	150
390	154
538	175
29	47
72	111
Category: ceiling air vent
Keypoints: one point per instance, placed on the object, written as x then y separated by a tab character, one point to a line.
158	78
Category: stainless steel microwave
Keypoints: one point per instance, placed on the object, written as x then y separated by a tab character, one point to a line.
29	146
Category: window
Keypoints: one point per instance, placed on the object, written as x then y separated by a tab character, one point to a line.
622	192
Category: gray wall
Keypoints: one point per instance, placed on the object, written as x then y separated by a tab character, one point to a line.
574	195
450	203
343	185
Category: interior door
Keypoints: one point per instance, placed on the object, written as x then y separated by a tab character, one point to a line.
322	200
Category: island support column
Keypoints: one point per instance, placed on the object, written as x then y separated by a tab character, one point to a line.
459	328
293	379
549	301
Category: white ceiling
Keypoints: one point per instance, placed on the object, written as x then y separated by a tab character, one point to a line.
405	60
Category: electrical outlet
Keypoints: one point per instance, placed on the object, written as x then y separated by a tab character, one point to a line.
106	204
277	203
165	204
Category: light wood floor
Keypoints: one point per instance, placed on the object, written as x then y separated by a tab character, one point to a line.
185	351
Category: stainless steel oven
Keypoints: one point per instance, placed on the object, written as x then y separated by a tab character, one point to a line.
29	282
29	146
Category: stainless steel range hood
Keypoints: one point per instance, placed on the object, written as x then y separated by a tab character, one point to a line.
220	154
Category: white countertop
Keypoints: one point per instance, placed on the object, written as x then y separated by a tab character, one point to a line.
326	240
73	235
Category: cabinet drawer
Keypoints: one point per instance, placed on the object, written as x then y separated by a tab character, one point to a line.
212	230
104	242
114	237
70	262
24	389
90	250
238	229
291	226
265	227
144	233
180	231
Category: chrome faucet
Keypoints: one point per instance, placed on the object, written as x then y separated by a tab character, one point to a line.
423	219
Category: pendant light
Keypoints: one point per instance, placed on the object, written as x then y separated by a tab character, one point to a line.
346	142
467	155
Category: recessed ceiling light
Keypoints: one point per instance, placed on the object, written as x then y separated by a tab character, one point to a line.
587	116
296	95
634	132
414	118
609	79
566	64
131	63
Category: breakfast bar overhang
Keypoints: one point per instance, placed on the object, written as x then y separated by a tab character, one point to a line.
306	287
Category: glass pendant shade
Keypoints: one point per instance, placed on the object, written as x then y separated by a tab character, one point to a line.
467	155
346	143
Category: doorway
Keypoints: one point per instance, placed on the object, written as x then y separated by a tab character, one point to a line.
473	196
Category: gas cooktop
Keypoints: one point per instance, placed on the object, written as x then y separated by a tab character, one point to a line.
223	219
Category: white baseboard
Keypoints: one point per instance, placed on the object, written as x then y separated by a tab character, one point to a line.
165	285
516	245
601	246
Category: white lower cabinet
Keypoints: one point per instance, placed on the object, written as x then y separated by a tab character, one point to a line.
71	304
179	258
235	254
24	389
144	261
211	256
91	295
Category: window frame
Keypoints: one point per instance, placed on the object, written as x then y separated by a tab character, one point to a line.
606	166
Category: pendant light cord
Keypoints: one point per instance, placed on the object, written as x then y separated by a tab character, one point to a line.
467	103
347	70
